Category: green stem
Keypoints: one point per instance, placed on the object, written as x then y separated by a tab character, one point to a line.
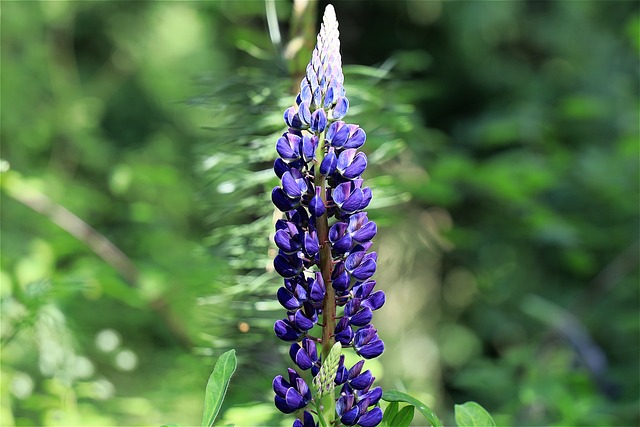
329	303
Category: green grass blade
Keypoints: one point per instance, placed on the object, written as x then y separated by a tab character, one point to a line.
217	386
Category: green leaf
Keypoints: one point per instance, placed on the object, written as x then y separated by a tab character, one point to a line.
471	414
389	413
404	417
217	386
398	396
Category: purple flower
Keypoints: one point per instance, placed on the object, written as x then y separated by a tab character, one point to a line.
292	395
325	235
307	421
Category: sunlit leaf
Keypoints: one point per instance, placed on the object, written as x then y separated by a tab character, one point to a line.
398	396
404	417
217	386
471	414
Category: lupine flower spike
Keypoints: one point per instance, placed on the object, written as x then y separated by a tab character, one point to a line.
323	239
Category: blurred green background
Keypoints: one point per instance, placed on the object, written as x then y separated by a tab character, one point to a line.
137	139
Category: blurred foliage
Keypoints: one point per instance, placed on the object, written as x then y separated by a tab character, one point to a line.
137	141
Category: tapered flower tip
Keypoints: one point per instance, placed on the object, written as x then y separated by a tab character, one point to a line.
316	205
285	331
372	418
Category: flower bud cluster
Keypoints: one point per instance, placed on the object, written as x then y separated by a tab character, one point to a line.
324	240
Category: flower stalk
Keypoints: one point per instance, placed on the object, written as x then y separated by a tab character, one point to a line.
323	241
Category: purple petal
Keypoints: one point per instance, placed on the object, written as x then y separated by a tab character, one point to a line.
340	282
329	162
294	399
340	109
302	322
288	146
287	299
304	113
280	167
371	350
362	317
282	405
285	242
285	331
318	289
316	205
354	260
357	138
311	245
318	121
364	270
341	193
363	381
354	202
337	231
363	290
373	395
350	417
282	201
284	266
309	145
340	134
375	301
356	369
357	166
366	198
366	232
280	386
371	418
328	97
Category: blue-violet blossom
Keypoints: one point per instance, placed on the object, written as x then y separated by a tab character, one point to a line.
323	240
